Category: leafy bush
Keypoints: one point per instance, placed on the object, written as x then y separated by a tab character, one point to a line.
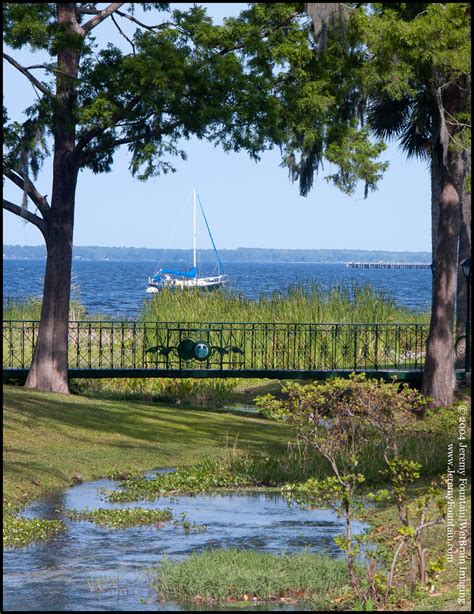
338	419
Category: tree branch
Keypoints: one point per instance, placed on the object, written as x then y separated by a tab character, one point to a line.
123	33
263	34
116	143
26	184
98	130
27	74
122	141
429	524
126	141
95	21
393	567
87	11
139	23
55	70
26	215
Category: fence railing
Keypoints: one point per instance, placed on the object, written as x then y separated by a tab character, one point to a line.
226	348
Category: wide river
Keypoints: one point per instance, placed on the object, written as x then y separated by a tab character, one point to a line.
118	287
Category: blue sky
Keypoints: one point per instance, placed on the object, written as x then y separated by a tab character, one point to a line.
247	204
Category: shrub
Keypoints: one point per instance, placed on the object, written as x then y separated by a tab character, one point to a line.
338	419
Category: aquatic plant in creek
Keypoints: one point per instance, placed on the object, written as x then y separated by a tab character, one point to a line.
233	468
202	477
121	518
19	532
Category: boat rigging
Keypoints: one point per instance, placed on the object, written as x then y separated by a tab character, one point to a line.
170	278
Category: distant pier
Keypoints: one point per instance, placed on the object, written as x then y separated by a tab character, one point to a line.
387	265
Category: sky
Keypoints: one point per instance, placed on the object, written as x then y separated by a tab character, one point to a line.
247	203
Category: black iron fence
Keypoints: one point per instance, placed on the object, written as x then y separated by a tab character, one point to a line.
107	349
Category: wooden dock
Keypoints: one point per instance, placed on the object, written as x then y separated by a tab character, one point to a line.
387	265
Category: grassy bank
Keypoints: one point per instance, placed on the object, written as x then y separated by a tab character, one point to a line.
244	577
51	440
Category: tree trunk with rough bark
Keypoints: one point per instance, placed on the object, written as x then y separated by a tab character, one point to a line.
464	253
439	375
49	367
435	196
450	163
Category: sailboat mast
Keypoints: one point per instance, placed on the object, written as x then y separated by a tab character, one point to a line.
194	227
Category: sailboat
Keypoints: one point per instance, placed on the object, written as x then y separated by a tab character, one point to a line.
169	278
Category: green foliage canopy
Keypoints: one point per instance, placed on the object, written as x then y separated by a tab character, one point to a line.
245	85
417	51
395	67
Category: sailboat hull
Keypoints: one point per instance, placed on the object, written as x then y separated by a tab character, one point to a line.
203	283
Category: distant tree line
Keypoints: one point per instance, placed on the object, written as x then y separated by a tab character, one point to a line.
241	254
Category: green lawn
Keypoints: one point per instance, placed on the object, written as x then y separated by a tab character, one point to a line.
51	439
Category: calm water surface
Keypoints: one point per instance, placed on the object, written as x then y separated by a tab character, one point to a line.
89	568
118	288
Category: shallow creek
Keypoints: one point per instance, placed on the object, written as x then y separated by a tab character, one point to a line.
92	568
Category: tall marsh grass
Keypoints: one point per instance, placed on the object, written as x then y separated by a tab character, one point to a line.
22	309
344	304
232	575
30	309
348	304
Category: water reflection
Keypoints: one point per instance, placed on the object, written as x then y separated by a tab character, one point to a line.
90	568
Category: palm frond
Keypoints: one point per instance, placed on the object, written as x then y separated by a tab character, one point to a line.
417	137
387	118
409	120
415	143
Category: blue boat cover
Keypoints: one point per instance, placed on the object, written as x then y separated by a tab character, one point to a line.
192	273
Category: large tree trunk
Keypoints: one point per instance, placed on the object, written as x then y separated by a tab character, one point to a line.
462	300
439	375
49	367
450	161
435	196
466	201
